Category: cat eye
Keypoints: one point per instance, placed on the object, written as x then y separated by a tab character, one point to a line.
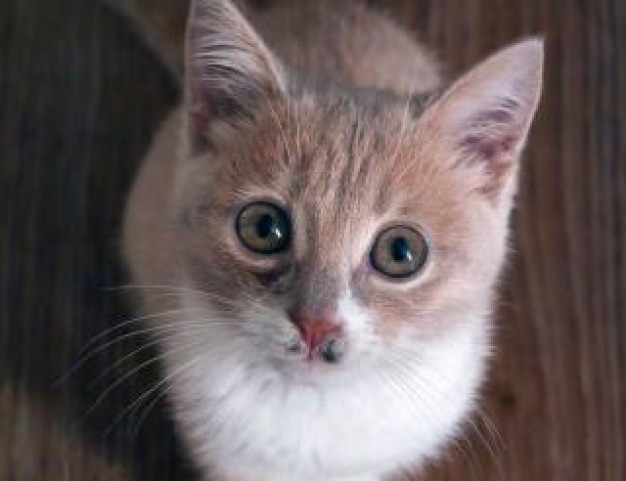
399	252
264	228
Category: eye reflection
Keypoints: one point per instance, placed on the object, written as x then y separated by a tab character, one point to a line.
399	252
264	228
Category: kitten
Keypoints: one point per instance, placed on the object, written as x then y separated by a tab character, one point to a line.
322	238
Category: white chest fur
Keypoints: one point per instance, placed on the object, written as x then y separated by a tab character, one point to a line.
253	423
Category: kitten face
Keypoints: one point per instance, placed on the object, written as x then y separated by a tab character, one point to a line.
340	249
343	174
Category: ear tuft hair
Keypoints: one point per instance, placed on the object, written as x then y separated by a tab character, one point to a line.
229	70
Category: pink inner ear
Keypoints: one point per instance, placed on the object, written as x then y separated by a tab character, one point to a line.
487	148
493	133
492	136
486	114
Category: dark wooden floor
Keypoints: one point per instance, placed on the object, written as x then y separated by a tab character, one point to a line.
79	98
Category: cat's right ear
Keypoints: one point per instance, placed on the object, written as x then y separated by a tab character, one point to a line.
485	116
228	71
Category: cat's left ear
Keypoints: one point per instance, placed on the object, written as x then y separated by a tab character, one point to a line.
229	72
486	115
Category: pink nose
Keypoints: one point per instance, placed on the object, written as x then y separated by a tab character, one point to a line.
316	329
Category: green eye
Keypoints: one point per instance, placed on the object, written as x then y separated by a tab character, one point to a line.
399	252
264	228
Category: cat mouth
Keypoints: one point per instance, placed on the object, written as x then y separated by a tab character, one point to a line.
330	351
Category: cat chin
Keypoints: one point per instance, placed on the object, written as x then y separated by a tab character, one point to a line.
250	422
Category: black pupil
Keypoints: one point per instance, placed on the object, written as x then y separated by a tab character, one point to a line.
266	226
401	250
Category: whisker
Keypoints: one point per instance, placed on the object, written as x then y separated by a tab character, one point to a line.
413	397
128	322
190	328
133	371
163	328
186	366
493	441
490	444
146	411
175	289
91	354
138	368
492	429
116	383
406	388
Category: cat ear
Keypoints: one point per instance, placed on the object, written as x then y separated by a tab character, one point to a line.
487	113
229	70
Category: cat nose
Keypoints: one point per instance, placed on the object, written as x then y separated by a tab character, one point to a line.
321	332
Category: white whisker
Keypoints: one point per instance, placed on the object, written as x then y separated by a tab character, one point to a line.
186	366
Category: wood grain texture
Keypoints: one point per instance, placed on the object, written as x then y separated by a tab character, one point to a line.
79	98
